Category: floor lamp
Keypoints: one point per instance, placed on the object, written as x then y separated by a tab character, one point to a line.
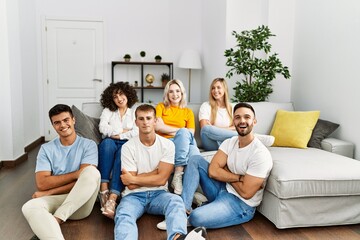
190	59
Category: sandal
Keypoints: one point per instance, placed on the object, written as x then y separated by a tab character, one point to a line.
103	198
109	209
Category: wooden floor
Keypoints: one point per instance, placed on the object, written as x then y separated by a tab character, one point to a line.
17	185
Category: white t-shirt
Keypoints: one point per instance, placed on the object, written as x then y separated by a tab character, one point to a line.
254	159
136	157
222	117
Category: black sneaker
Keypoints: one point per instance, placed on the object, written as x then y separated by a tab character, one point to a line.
34	238
198	233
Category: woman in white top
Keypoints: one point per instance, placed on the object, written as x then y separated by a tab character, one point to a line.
215	116
117	125
216	121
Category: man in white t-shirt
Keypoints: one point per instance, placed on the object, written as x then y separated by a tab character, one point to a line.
147	162
234	181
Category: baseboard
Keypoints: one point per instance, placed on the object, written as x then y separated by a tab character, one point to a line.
34	144
23	157
14	163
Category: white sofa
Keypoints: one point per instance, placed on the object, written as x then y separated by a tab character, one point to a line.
306	187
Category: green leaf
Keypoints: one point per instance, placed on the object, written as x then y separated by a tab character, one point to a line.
257	73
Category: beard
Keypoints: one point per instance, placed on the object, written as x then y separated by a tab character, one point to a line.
243	132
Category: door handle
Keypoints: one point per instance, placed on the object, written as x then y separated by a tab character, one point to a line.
97	80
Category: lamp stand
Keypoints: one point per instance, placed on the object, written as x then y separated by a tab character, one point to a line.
189	87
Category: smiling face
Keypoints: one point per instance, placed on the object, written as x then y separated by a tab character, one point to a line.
174	95
63	124
217	91
244	121
120	100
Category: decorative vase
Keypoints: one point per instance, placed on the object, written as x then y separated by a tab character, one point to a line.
164	82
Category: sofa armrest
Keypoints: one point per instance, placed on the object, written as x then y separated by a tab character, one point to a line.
338	146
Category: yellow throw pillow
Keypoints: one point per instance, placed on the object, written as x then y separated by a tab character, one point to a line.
293	128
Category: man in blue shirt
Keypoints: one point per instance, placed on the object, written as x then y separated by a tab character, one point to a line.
67	179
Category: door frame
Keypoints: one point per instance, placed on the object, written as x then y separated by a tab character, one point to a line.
44	71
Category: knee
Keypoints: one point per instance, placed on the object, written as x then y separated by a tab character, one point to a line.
194	219
105	143
25	208
206	128
90	172
29	206
183	132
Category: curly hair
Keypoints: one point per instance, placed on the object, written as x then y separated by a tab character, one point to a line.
107	97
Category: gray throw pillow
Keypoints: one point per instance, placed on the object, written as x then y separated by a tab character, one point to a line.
86	126
321	131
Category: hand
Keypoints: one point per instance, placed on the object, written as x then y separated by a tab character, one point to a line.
115	136
40	194
126	177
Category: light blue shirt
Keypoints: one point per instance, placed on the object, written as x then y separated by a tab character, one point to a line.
59	159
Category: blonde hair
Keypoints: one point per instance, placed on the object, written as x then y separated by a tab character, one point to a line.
166	100
212	101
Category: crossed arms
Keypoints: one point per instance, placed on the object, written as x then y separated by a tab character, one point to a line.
245	185
164	128
155	178
48	184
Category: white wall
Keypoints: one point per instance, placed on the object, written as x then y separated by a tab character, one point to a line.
278	15
326	63
12	119
213	44
157	27
29	71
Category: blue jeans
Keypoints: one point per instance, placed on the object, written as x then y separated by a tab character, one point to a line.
185	146
212	137
110	161
158	202
224	209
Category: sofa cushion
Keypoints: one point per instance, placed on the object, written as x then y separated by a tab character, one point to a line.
312	172
321	131
293	129
265	114
86	126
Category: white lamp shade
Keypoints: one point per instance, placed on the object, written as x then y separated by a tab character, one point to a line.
190	59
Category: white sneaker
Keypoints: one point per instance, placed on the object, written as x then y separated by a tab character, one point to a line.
199	199
176	183
162	225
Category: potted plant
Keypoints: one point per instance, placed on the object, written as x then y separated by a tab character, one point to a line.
247	58
165	78
158	58
142	55
127	57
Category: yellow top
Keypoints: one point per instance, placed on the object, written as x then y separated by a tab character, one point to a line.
175	117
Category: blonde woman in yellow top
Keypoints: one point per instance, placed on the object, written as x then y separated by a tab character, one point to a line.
176	122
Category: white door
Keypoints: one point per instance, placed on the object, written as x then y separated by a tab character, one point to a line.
74	64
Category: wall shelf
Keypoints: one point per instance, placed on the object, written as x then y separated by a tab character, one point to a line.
142	83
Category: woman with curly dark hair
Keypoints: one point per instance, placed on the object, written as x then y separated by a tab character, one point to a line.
117	125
